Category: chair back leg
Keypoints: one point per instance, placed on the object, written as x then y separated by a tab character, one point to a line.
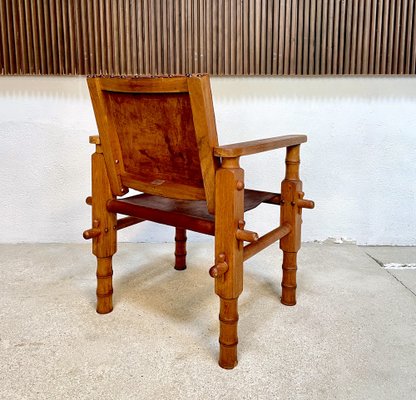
180	249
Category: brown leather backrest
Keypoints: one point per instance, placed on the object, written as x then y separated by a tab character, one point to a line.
157	134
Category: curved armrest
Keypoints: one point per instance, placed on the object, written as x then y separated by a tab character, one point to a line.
257	146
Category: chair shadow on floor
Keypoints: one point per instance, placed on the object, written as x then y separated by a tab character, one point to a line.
146	280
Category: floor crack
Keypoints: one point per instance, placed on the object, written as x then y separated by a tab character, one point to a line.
375	259
395	277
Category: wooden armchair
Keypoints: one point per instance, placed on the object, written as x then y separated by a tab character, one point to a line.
158	136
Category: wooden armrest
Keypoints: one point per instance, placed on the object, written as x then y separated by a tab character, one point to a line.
257	146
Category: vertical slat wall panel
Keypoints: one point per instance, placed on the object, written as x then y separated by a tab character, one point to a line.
221	37
411	34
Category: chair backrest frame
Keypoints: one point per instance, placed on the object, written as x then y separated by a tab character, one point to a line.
197	87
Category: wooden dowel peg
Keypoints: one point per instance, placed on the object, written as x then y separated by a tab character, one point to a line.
95	139
93	232
220	268
246	236
302	203
88	200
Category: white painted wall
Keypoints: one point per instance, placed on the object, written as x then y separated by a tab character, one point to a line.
359	165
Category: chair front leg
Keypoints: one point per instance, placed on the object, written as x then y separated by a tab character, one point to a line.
103	233
291	213
228	271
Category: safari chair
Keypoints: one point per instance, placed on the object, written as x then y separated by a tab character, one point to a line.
157	135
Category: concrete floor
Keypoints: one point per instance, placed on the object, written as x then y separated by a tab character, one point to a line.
352	334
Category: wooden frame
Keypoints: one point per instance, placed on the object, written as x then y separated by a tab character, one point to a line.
199	93
216	207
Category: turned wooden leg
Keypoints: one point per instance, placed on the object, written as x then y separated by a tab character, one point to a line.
289	279
228	333
104	285
291	205
228	271
103	232
291	213
180	249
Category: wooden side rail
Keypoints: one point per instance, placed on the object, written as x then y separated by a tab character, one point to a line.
121	223
274	200
266	240
161	216
128	221
258	146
